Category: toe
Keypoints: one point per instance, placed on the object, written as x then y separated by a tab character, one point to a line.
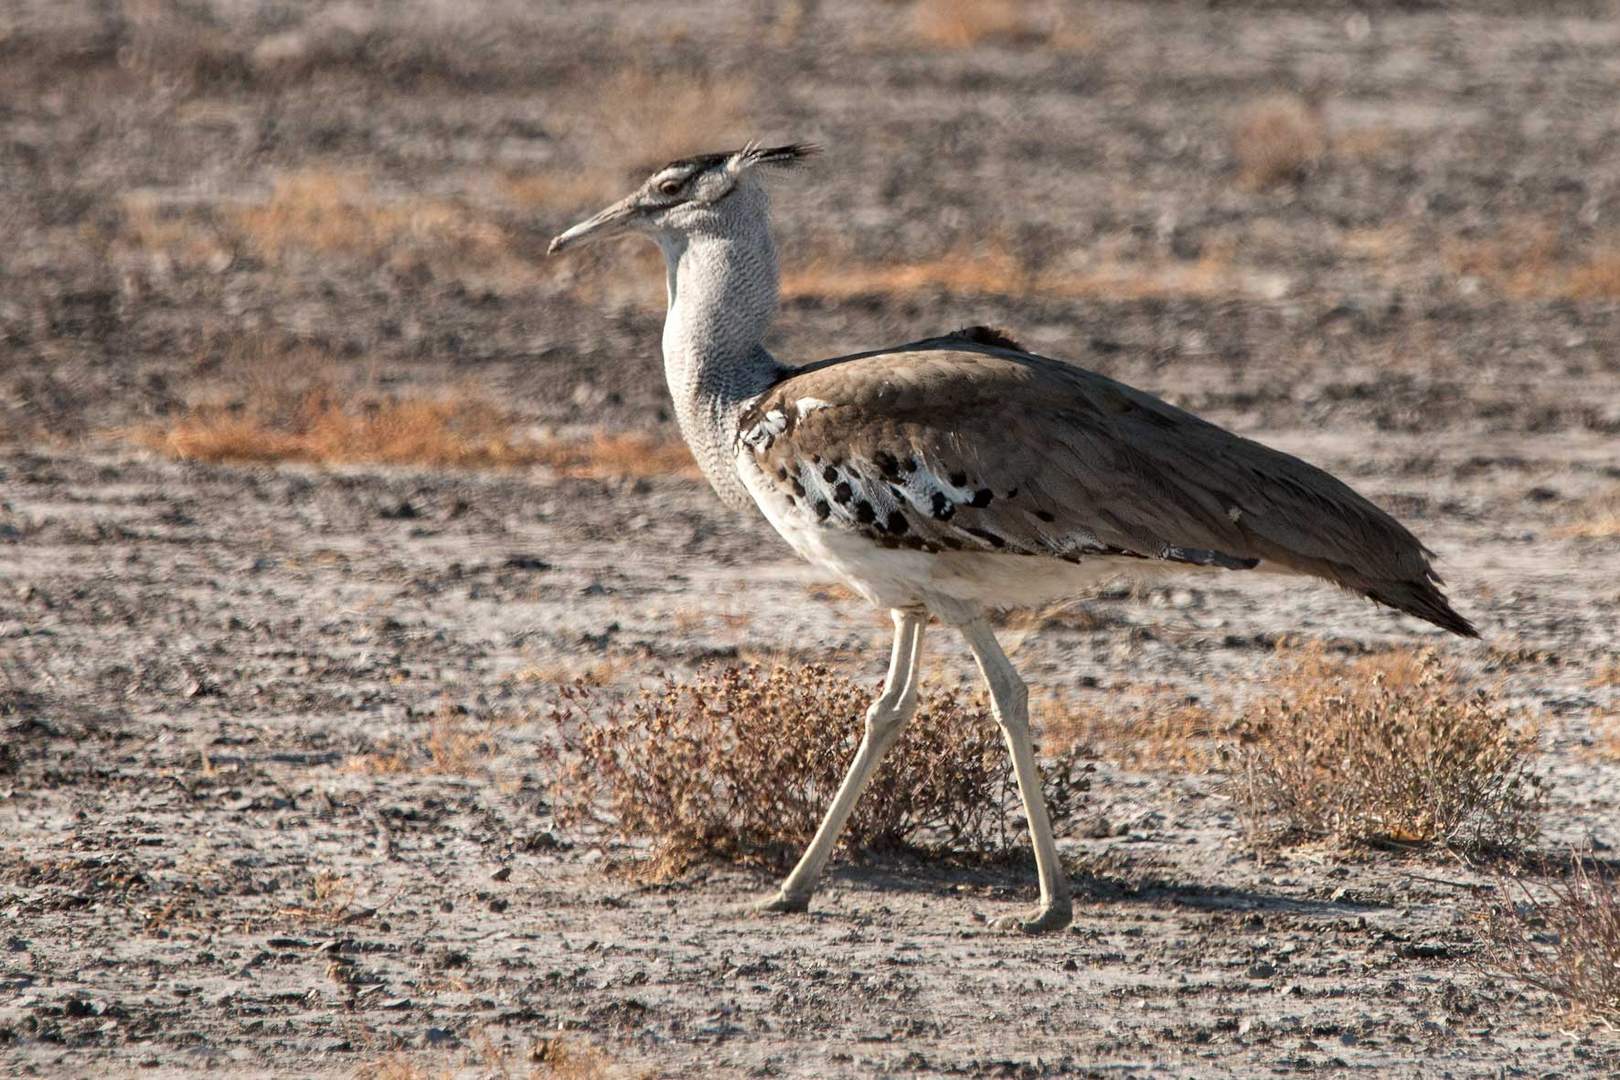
1040	921
783	903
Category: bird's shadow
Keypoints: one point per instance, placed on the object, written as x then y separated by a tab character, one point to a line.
939	880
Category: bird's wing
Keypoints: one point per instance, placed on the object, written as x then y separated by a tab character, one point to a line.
968	443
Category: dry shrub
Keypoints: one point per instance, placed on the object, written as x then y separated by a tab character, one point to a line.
1563	936
741	763
1388	749
1278	140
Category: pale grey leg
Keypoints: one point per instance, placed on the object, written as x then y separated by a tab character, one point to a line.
884	721
1010	701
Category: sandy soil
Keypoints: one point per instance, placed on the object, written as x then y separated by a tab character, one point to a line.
197	661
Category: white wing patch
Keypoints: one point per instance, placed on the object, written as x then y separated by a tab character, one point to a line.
762	434
808	405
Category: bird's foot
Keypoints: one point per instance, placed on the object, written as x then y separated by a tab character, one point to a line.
1043	920
783	903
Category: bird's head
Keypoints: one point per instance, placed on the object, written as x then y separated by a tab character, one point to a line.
687	196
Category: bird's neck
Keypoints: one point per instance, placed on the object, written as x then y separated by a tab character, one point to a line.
722	295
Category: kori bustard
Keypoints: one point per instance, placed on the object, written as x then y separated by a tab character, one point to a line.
961	473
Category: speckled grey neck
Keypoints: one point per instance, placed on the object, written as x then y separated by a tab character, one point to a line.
722	295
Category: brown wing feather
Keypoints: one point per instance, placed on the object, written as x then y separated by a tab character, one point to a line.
964	442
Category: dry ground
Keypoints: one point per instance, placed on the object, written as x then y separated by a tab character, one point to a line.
271	789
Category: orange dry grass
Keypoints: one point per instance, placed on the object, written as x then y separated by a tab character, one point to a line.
961	24
459	430
1532	262
1600	520
994	271
340	213
455	431
605	456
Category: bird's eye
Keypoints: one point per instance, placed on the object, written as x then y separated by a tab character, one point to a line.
670	187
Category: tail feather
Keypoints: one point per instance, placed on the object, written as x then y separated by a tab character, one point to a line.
1423	599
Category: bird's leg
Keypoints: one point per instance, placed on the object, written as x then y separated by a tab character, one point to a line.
884	721
1010	700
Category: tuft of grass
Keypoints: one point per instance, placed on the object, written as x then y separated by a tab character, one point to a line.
741	763
559	1057
962	24
1562	936
1278	140
453	745
635	119
1388	749
563	1058
327	900
1599	519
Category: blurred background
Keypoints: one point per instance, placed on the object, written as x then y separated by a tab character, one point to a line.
318	479
1378	216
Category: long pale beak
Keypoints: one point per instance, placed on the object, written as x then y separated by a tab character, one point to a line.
610	221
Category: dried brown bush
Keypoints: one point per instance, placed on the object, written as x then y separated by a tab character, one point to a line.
1562	936
1278	140
1385	749
740	763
